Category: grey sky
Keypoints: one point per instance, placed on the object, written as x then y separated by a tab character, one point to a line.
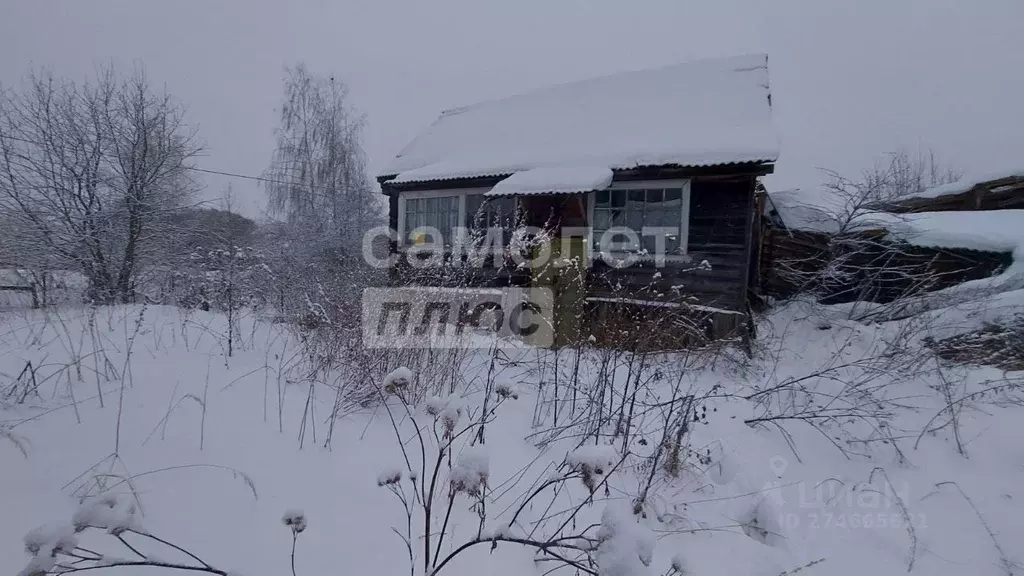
850	80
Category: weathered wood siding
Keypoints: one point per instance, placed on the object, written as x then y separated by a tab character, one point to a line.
879	271
720	220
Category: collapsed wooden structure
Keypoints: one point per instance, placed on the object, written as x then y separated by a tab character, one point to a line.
870	263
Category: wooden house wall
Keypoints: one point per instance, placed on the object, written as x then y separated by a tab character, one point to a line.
720	218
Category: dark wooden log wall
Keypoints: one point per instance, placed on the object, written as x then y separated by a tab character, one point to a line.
721	206
720	218
879	271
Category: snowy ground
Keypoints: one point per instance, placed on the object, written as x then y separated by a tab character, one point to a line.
833	496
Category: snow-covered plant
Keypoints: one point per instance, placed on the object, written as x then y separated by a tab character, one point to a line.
296	521
626	547
57	550
592	462
450	463
470	472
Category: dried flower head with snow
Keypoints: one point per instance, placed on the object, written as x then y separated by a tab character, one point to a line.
470	472
294	519
592	462
47	540
109	512
390	476
397	379
434	405
505	390
678	563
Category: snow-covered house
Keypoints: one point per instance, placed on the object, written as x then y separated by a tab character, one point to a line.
680	146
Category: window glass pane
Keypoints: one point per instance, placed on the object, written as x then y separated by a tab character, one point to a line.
504	212
474	216
672	244
649	245
618	217
637	209
653	217
635	218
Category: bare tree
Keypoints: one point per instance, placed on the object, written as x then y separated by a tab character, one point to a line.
318	174
317	184
90	174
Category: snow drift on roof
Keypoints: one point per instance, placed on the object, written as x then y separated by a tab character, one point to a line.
698	113
807	210
966	183
987	230
554	180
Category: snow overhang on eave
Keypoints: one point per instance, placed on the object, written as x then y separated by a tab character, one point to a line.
558	179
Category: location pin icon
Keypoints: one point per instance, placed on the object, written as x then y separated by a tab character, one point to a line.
778	464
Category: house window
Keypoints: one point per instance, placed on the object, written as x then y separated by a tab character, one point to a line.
639	208
487	213
440	212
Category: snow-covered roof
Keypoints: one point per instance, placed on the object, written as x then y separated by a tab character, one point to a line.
700	113
554	180
807	210
986	230
821	211
967	183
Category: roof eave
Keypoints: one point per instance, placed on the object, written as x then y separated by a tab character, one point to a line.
754	167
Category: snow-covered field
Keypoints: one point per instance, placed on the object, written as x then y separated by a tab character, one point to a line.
831	452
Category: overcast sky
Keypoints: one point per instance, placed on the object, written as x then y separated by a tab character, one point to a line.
850	79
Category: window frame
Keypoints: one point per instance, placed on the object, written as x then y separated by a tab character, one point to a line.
682	255
460	193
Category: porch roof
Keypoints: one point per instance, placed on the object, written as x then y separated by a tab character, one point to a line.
554	180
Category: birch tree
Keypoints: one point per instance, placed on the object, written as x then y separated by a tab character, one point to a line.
318	187
317	177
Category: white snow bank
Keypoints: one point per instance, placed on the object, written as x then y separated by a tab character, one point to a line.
699	113
554	180
966	183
